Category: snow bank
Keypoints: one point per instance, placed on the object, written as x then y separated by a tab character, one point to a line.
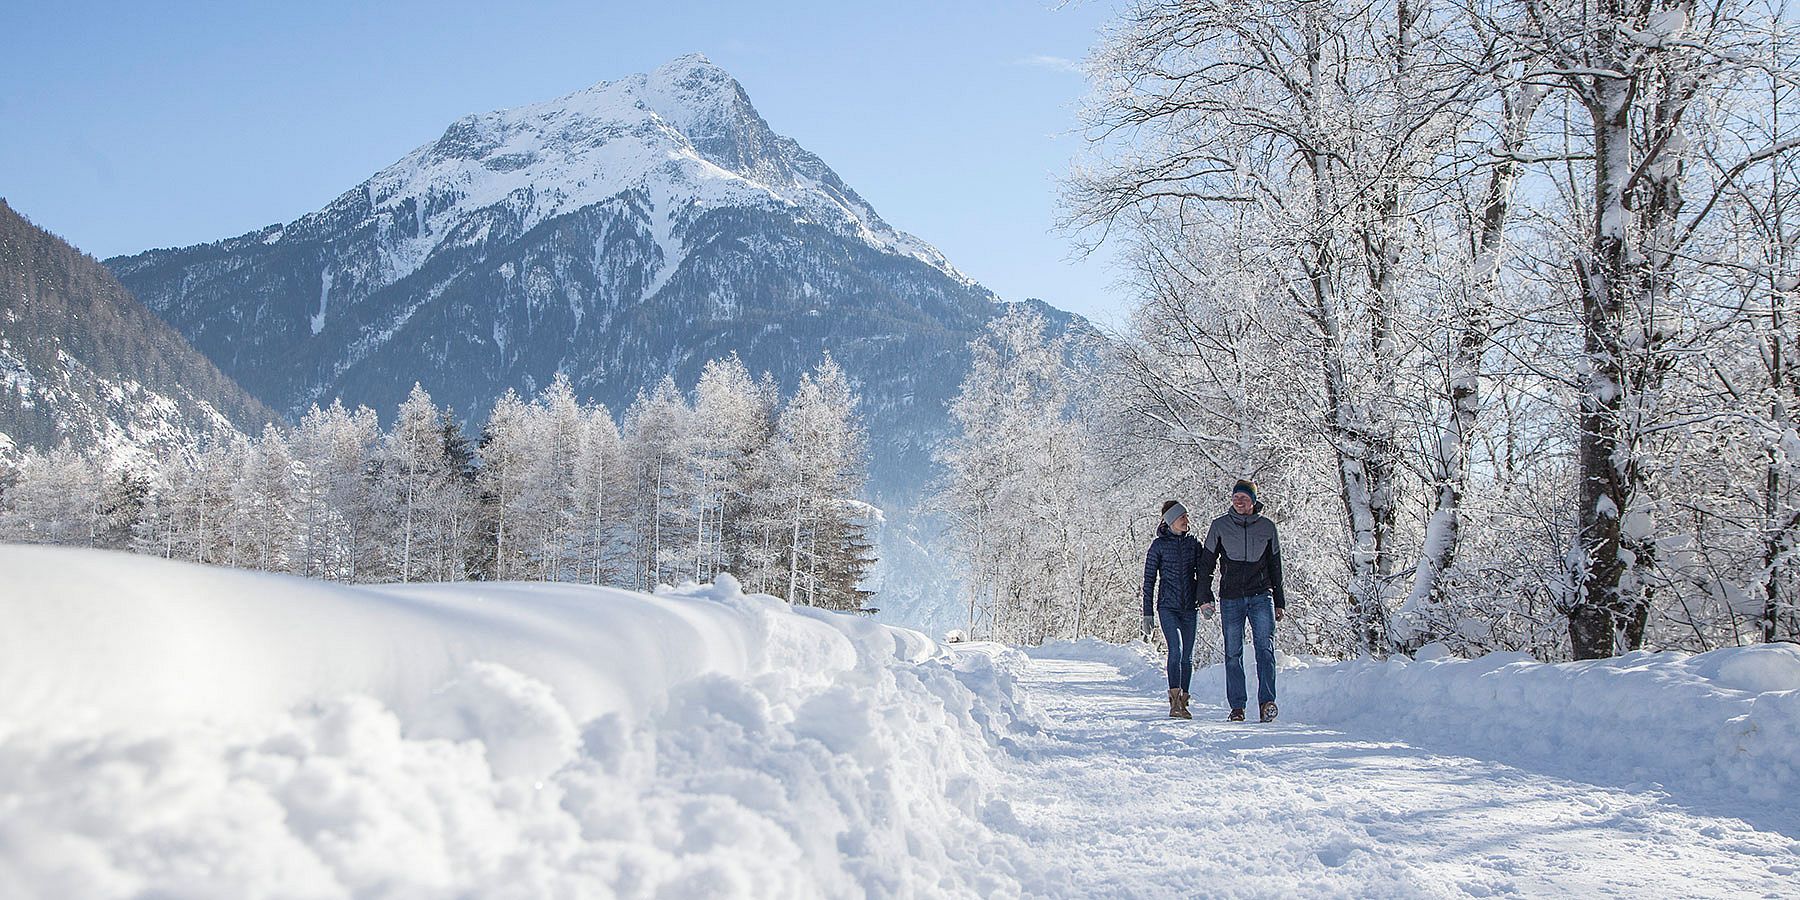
175	730
1718	725
1723	724
1140	662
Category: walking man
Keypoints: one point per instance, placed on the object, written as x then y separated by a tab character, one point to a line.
1173	559
1247	552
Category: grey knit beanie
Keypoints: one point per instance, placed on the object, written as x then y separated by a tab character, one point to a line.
1172	513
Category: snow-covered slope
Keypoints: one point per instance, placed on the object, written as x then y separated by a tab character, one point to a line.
83	361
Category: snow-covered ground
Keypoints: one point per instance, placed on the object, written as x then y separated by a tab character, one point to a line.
1355	791
172	730
178	731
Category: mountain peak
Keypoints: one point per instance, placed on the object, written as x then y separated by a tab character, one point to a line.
683	136
683	91
691	65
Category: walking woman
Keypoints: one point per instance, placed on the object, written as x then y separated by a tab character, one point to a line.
1174	559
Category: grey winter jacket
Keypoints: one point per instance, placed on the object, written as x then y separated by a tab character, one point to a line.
1174	559
1247	552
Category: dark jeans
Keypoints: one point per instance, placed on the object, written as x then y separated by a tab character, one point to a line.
1260	610
1178	631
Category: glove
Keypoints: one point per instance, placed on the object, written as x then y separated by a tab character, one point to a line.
1149	625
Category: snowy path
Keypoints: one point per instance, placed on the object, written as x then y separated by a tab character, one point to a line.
1125	802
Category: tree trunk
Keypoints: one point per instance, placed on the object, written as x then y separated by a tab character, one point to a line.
1600	609
1450	463
794	556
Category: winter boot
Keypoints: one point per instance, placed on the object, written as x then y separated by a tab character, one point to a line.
1175	709
1268	711
1237	715
1181	709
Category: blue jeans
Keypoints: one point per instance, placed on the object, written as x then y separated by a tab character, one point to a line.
1178	631
1260	610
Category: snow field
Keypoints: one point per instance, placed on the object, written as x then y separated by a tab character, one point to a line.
174	730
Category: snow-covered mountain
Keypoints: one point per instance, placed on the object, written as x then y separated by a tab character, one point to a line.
630	230
83	361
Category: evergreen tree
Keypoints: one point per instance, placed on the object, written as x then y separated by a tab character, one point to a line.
505	461
265	501
820	465
657	449
424	490
57	500
338	452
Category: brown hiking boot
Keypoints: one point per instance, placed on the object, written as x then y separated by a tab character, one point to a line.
1174	703
1268	711
1181	702
1237	715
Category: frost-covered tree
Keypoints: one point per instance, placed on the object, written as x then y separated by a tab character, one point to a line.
819	468
660	476
596	510
265	505
505	470
457	515
189	517
428	499
730	440
1015	479
548	538
751	527
1646	78
57	498
338	454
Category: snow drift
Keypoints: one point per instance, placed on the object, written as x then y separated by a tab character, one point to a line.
174	730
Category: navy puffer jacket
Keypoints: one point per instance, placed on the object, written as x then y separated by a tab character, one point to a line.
1174	559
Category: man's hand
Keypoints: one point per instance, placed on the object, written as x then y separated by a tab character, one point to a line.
1280	613
1149	626
1206	609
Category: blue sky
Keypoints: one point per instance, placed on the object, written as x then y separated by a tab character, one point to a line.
135	125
